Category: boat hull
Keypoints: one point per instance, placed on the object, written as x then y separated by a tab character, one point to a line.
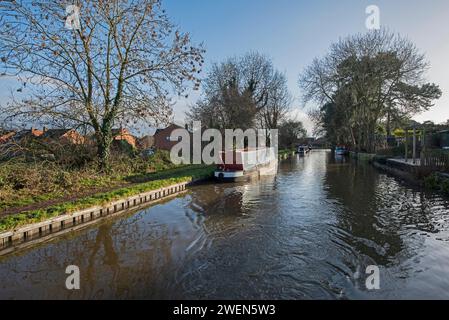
269	169
231	176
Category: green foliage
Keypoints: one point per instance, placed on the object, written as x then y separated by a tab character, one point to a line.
367	80
437	183
393	152
290	132
122	146
196	171
284	152
334	119
444	185
160	161
432	182
23	183
31	183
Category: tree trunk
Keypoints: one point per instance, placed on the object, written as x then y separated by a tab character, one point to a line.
388	124
104	142
354	142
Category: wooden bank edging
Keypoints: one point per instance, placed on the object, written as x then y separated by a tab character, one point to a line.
369	157
55	225
407	176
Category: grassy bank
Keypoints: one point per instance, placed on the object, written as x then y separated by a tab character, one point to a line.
284	152
25	183
34	191
157	180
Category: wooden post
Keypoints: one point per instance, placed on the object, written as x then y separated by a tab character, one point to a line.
406	145
414	145
423	147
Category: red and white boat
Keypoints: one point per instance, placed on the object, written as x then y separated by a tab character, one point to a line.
246	164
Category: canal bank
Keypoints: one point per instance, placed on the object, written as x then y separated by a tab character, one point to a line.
407	171
28	228
410	171
27	233
32	234
432	178
309	233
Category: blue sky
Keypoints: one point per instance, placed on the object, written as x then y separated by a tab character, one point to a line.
294	32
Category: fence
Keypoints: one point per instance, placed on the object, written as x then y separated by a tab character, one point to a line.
435	159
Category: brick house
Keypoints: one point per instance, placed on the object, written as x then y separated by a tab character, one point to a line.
162	140
20	136
36	132
6	136
145	142
123	134
64	136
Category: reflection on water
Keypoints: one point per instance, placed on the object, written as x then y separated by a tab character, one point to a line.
340	158
308	233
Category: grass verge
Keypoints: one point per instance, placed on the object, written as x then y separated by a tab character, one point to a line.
153	182
284	152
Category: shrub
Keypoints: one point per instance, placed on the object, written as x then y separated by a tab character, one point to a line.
437	183
159	161
432	182
24	183
444	186
393	152
63	179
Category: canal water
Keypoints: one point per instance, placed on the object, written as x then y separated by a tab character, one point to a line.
309	233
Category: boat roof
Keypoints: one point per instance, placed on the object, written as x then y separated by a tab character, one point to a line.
248	149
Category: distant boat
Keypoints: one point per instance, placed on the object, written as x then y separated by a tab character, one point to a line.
247	164
341	151
303	150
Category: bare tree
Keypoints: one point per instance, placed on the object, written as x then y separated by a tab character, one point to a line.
240	91
278	104
119	66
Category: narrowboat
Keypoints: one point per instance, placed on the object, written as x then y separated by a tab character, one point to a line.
341	151
246	164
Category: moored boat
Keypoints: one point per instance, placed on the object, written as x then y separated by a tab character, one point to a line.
303	150
341	151
246	164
